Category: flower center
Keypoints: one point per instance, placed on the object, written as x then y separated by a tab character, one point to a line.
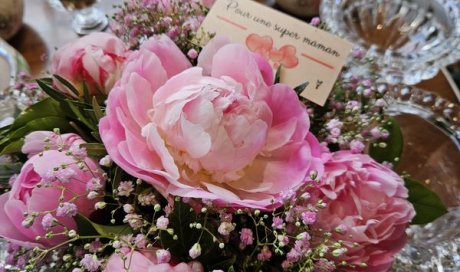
213	132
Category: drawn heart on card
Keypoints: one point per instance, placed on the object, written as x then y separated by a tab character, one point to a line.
263	45
285	56
260	44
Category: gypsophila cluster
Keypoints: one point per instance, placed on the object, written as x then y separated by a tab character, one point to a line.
25	91
353	116
137	20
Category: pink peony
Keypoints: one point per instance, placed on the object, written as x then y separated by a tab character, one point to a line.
38	141
146	261
367	204
220	131
26	197
96	59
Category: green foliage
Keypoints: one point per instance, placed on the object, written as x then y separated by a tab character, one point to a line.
299	89
67	84
46	85
181	218
86	228
97	109
428	206
13	147
61	111
278	75
7	170
45	108
389	150
95	150
39	116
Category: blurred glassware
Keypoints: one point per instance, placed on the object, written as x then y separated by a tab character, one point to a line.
3	253
431	131
11	13
86	17
11	63
404	41
300	8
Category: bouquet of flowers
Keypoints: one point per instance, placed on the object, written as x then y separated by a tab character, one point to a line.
150	153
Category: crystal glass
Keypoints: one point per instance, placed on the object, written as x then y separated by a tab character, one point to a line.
11	63
3	254
431	131
301	8
86	17
404	41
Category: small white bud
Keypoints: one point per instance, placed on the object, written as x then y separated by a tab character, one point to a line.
100	205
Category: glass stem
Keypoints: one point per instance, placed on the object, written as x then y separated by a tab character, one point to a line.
88	17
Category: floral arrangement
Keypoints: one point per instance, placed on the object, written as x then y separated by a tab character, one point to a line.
172	157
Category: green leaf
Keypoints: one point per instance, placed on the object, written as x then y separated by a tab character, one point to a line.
44	108
9	169
80	104
299	89
180	218
44	115
428	206
45	123
53	93
5	129
393	145
118	174
224	264
86	96
81	117
95	150
87	227
81	132
278	75
96	135
97	109
13	147
67	84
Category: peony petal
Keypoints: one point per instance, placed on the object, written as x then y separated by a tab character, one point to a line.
188	77
207	54
157	144
280	135
49	159
91	66
254	139
265	69
285	173
138	263
201	111
8	229
34	142
14	210
172	58
143	157
235	61
138	90
283	101
223	193
196	140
